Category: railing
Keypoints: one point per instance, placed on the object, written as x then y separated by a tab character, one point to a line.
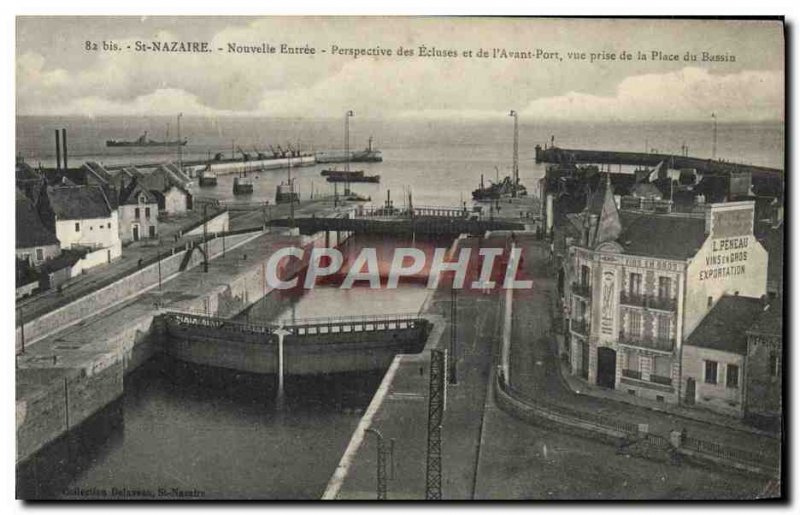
768	461
564	411
667	381
648	301
299	326
579	326
730	453
633	374
645	342
431	211
583	290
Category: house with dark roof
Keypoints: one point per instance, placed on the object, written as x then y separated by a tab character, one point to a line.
138	213
714	356
85	218
637	282
36	243
763	383
170	187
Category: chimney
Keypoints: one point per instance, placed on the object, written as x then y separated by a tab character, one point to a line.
58	152
64	138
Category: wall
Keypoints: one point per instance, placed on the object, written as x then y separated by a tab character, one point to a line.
175	200
127	217
762	386
731	260
64	403
48	252
91	233
716	397
217	223
100	299
305	355
97	257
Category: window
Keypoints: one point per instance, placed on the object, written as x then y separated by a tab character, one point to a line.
664	287
147	212
39	254
635	323
635	284
710	302
663	323
152	230
136	213
77	227
774	363
585	275
732	376
662	366
711	372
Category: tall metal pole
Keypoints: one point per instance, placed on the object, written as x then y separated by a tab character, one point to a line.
281	332
291	190
347	140
714	142
433	469
515	161
381	476
159	270
205	237
452	371
180	145
22	329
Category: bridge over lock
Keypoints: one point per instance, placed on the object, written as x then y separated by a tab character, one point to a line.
294	347
421	220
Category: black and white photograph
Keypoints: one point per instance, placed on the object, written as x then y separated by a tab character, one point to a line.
399	258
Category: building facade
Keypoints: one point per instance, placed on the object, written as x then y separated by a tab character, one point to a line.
138	214
637	283
84	219
763	396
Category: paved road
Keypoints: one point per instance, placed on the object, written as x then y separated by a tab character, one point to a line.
521	461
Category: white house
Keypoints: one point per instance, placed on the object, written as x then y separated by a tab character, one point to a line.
138	213
85	219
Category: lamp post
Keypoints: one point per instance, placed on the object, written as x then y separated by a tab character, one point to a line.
515	162
281	332
180	145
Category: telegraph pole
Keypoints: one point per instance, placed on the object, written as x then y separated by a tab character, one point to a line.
180	145
205	237
714	142
515	161
452	371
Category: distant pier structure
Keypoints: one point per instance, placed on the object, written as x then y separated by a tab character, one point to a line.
766	181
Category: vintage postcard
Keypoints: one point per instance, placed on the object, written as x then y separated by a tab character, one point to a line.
399	258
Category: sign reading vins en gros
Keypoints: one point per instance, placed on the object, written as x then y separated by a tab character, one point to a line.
726	259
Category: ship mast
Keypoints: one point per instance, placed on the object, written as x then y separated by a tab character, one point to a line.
347	117
515	162
180	146
714	142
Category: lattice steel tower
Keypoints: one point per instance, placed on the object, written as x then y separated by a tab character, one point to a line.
433	473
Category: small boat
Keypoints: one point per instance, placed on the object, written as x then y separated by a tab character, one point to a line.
331	172
242	185
354	178
500	189
284	195
207	178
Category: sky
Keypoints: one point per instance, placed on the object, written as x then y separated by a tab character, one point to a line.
56	75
